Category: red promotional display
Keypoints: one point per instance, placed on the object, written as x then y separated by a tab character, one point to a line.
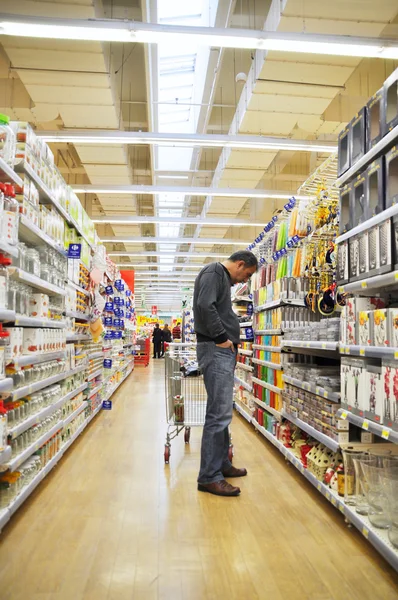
154	310
128	277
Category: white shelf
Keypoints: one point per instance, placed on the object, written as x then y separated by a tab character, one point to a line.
35	282
245	414
245	352
78	288
377	537
7	315
8	249
95	391
311	387
329	346
381	146
6	385
31	234
369	351
244	367
75	413
380	430
22	321
78	337
27	390
98	354
77	315
243	384
267	363
43	413
246	324
268	408
277	303
20	458
4	458
266	348
268	386
371	283
8	174
35	359
268	332
94	375
318	435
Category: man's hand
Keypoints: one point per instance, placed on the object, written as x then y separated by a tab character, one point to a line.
227	344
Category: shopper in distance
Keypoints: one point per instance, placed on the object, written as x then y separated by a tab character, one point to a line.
166	338
218	335
157	338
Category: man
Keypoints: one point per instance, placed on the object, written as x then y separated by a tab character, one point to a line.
218	335
166	338
157	341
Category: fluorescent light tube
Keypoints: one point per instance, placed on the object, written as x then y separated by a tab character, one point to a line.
129	220
172	176
166	254
179	240
191	191
123	31
189	140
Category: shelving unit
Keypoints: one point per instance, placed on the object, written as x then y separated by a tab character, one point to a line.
310	387
243	384
22	321
328	346
245	352
34	359
36	282
39	385
268	332
277	303
266	348
267	363
31	234
378	538
273	411
77	315
380	430
370	284
8	174
244	367
318	435
242	411
8	249
269	386
246	324
369	351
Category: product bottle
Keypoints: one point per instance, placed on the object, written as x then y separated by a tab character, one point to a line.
4	341
10	215
3	426
5	261
341	483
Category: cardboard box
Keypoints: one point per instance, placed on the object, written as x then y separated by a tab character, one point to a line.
365	328
39	304
380	328
390	392
32	340
392	317
374	391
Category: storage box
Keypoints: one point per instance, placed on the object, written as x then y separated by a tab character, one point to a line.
15	347
32	340
380	328
39	304
390	395
358	136
342	270
392	177
390	103
344	155
365	328
374	118
374	393
393	327
345	209
359	200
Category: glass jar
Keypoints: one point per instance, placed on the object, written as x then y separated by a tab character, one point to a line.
7	141
4	282
10	215
33	262
21	260
45	272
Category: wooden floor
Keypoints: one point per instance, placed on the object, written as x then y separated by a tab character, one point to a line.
113	523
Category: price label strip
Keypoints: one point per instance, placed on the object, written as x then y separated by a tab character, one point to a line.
385	434
365	425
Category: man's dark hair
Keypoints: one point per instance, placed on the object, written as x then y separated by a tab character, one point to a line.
156	324
247	257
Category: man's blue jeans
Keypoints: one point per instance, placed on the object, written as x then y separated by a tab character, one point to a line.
218	366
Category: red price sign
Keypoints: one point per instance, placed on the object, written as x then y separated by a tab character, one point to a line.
154	310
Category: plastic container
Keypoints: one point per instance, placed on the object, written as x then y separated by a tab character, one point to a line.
7	141
3	426
4	341
9	216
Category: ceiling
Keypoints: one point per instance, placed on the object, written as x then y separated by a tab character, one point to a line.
59	84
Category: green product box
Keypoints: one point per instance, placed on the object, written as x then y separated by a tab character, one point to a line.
85	254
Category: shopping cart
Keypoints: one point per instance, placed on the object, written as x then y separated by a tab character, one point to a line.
186	396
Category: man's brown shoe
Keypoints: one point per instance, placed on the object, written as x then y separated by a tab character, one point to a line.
234	472
219	488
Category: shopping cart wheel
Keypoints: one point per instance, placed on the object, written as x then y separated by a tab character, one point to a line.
167	454
230	452
187	434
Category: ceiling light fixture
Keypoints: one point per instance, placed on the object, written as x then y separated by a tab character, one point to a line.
209	221
178	190
123	31
172	177
171	254
189	140
177	240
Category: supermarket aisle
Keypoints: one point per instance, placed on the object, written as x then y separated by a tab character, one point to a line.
113	523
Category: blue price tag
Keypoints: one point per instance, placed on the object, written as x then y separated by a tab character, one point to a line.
108	306
74	251
128	315
108	321
117	312
128	292
109	290
250	309
107	405
121	313
107	363
121	323
118	335
116	322
117	301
